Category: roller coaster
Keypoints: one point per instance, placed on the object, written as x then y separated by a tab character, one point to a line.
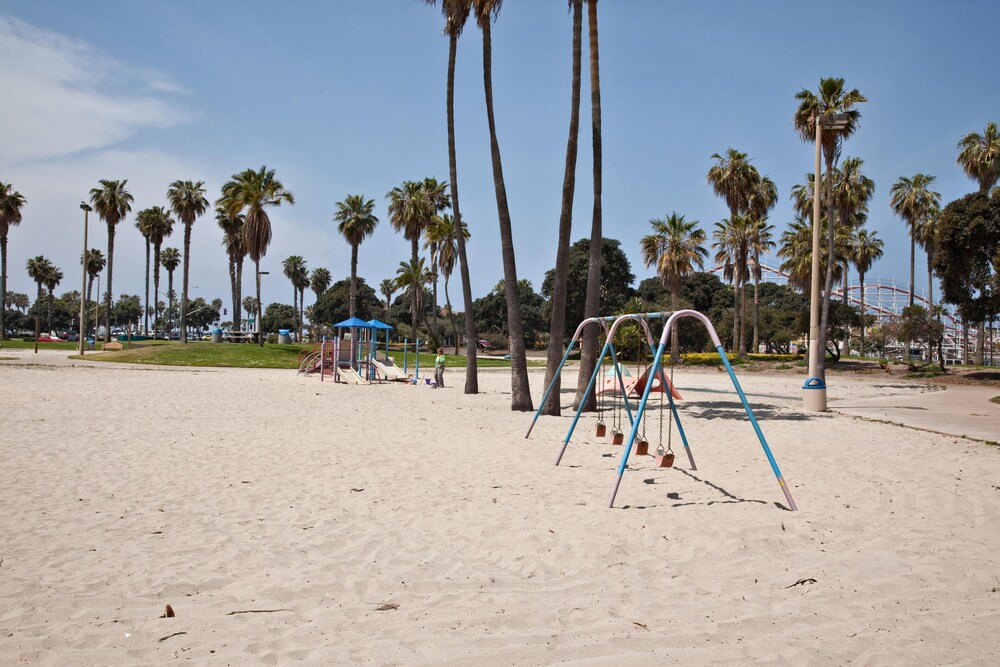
886	299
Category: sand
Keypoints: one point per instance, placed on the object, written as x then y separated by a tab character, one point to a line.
288	520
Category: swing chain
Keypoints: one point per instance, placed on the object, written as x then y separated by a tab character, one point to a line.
670	429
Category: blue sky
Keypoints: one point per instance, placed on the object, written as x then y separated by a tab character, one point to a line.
349	98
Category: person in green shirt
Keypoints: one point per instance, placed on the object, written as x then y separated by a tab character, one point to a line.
439	368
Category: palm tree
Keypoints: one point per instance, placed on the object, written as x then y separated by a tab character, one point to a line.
795	248
676	247
232	240
867	249
763	198
411	278
832	99
734	238
319	281
387	289
356	222
456	13
153	223
486	12
913	200
980	157
296	271
250	305
592	301
171	259
11	203
187	199
112	202
95	264
557	323
740	185
38	270
252	193
438	201
444	235
53	276
410	210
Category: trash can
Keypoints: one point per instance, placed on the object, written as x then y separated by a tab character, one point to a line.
283	337
216	335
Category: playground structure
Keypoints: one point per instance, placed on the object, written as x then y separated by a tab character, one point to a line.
655	370
355	359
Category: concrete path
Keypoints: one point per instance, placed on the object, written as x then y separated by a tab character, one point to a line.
956	410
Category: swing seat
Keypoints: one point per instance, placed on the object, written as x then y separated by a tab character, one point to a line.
617	437
641	447
664	459
601	429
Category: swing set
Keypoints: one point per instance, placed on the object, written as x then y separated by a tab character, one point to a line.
653	379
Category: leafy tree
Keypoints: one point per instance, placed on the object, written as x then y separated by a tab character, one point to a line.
11	203
913	325
334	304
491	312
356	222
279	316
616	288
126	312
968	248
112	203
202	313
252	193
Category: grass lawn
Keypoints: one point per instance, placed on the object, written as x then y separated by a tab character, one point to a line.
244	355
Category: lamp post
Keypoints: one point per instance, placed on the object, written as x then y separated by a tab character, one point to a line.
83	290
260	309
814	390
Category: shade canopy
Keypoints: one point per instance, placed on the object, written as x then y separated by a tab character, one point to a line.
375	324
354	323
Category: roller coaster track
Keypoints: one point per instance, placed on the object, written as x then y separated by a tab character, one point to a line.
885	299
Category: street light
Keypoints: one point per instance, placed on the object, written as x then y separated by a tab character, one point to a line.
83	290
814	390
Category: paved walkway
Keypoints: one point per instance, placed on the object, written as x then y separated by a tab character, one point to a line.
956	410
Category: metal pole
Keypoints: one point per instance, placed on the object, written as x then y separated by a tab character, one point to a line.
583	399
814	389
83	290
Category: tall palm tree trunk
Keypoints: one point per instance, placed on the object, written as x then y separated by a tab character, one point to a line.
107	296
743	320
675	340
145	310
170	302
520	390
930	284
451	314
3	286
48	317
156	288
238	296
259	322
233	293
736	316
592	302
557	325
828	283
471	363
861	286
184	284
354	277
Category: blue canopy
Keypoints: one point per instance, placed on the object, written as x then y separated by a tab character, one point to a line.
354	323
375	324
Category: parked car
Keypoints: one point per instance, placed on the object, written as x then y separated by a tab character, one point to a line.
49	338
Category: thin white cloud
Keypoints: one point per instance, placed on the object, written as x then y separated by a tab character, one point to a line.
64	96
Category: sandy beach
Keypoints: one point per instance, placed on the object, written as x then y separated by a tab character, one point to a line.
288	520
